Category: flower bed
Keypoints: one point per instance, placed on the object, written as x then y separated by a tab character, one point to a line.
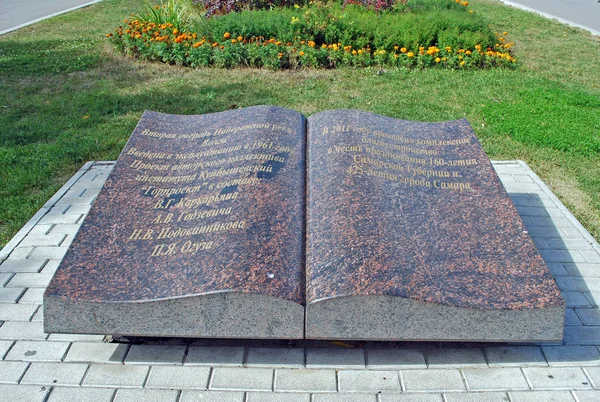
319	36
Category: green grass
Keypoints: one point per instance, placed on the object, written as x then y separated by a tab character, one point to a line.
67	97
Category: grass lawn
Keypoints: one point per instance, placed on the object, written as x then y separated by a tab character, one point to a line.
67	97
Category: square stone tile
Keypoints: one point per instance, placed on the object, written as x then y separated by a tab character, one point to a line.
178	377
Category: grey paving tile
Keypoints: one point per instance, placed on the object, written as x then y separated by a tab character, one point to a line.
155	354
5	277
47	253
571	317
495	379
146	395
455	357
41	351
96	352
566	355
344	397
277	397
76	338
215	355
29	280
17	312
588	396
33	296
234	378
411	398
4	346
20	253
51	266
78	394
557	378
395	359
11	372
594	374
66	228
305	380
54	374
515	356
590	256
589	316
582	335
22	330
335	358
22	393
275	357
53	239
542	396
22	265
211	396
576	299
367	380
583	269
38	315
433	380
116	375
477	397
10	295
178	377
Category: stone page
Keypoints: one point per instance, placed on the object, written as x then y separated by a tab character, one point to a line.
199	231
411	236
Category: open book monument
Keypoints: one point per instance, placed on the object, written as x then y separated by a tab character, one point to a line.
259	223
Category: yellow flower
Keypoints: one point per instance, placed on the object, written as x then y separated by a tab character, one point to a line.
301	53
360	51
468	52
240	38
395	47
354	52
504	33
462	63
437	59
295	20
278	43
175	31
410	54
296	6
311	43
403	50
471	11
233	41
226	35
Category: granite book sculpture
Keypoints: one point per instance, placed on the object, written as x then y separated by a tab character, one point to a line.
260	223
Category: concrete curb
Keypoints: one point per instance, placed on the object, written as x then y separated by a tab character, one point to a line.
44	18
550	16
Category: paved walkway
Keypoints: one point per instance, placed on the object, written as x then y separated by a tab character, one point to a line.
15	14
578	13
35	366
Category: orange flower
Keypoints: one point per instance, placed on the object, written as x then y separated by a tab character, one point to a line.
226	35
197	44
233	41
240	38
301	53
215	44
